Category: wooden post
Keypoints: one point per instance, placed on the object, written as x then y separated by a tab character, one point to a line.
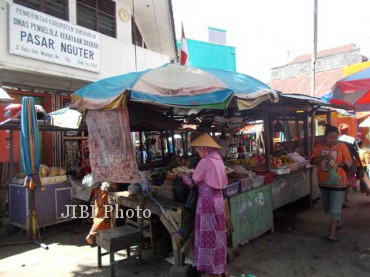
271	133
183	138
168	143
186	144
162	145
11	158
141	148
266	138
328	117
173	144
298	133
306	139
313	132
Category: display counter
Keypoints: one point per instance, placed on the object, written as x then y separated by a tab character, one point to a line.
290	187
50	200
251	214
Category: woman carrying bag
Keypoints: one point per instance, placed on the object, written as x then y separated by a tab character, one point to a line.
333	160
210	220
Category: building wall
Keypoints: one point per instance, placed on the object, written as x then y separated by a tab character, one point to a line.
117	56
211	55
50	81
322	64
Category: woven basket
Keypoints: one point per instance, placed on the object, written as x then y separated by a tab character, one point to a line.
171	177
237	176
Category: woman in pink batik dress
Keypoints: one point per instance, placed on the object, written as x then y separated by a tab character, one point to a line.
210	223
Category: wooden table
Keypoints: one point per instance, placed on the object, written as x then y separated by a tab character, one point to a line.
184	219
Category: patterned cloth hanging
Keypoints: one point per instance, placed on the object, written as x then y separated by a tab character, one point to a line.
71	154
111	150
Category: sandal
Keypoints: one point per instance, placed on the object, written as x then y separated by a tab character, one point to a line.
338	227
330	238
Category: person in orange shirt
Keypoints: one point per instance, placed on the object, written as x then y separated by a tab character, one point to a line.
333	160
365	160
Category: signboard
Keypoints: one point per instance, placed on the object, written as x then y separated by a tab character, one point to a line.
43	37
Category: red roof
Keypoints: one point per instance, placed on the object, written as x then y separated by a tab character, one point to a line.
325	53
302	83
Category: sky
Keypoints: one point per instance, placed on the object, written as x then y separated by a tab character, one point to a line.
270	33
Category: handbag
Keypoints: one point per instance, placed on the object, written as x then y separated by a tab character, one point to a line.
180	191
192	199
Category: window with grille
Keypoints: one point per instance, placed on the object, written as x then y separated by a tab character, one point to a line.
57	8
97	15
137	38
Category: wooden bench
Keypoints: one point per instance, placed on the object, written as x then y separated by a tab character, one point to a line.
120	238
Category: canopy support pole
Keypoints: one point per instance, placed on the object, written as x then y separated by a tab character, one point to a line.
141	148
306	138
11	158
312	144
186	144
162	145
266	138
183	138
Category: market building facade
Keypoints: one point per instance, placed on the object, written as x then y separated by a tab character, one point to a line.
51	49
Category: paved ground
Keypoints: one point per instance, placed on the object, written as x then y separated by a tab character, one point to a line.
298	248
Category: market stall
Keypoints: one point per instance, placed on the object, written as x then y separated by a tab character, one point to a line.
289	130
51	199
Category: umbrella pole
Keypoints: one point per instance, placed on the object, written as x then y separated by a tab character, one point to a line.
33	218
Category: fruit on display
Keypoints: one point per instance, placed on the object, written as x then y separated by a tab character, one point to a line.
253	160
276	162
287	160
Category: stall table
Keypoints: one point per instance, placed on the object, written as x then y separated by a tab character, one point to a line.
183	218
51	201
251	214
290	187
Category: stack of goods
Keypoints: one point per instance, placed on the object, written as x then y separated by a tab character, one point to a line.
301	161
48	175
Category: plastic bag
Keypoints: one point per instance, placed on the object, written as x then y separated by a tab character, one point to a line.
90	182
333	178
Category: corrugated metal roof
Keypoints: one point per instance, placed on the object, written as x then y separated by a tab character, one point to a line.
302	83
312	100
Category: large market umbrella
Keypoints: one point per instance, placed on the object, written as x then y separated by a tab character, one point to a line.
30	155
4	97
177	86
353	90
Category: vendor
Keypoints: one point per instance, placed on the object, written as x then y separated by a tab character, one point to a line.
210	223
100	221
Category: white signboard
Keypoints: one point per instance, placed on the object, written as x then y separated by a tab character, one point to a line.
43	37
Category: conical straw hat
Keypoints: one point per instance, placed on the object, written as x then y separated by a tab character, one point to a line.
205	140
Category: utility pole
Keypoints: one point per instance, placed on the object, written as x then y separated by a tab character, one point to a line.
314	49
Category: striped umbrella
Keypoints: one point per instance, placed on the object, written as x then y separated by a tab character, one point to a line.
353	90
176	86
29	143
30	158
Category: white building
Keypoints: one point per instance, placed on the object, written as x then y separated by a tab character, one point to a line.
51	48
